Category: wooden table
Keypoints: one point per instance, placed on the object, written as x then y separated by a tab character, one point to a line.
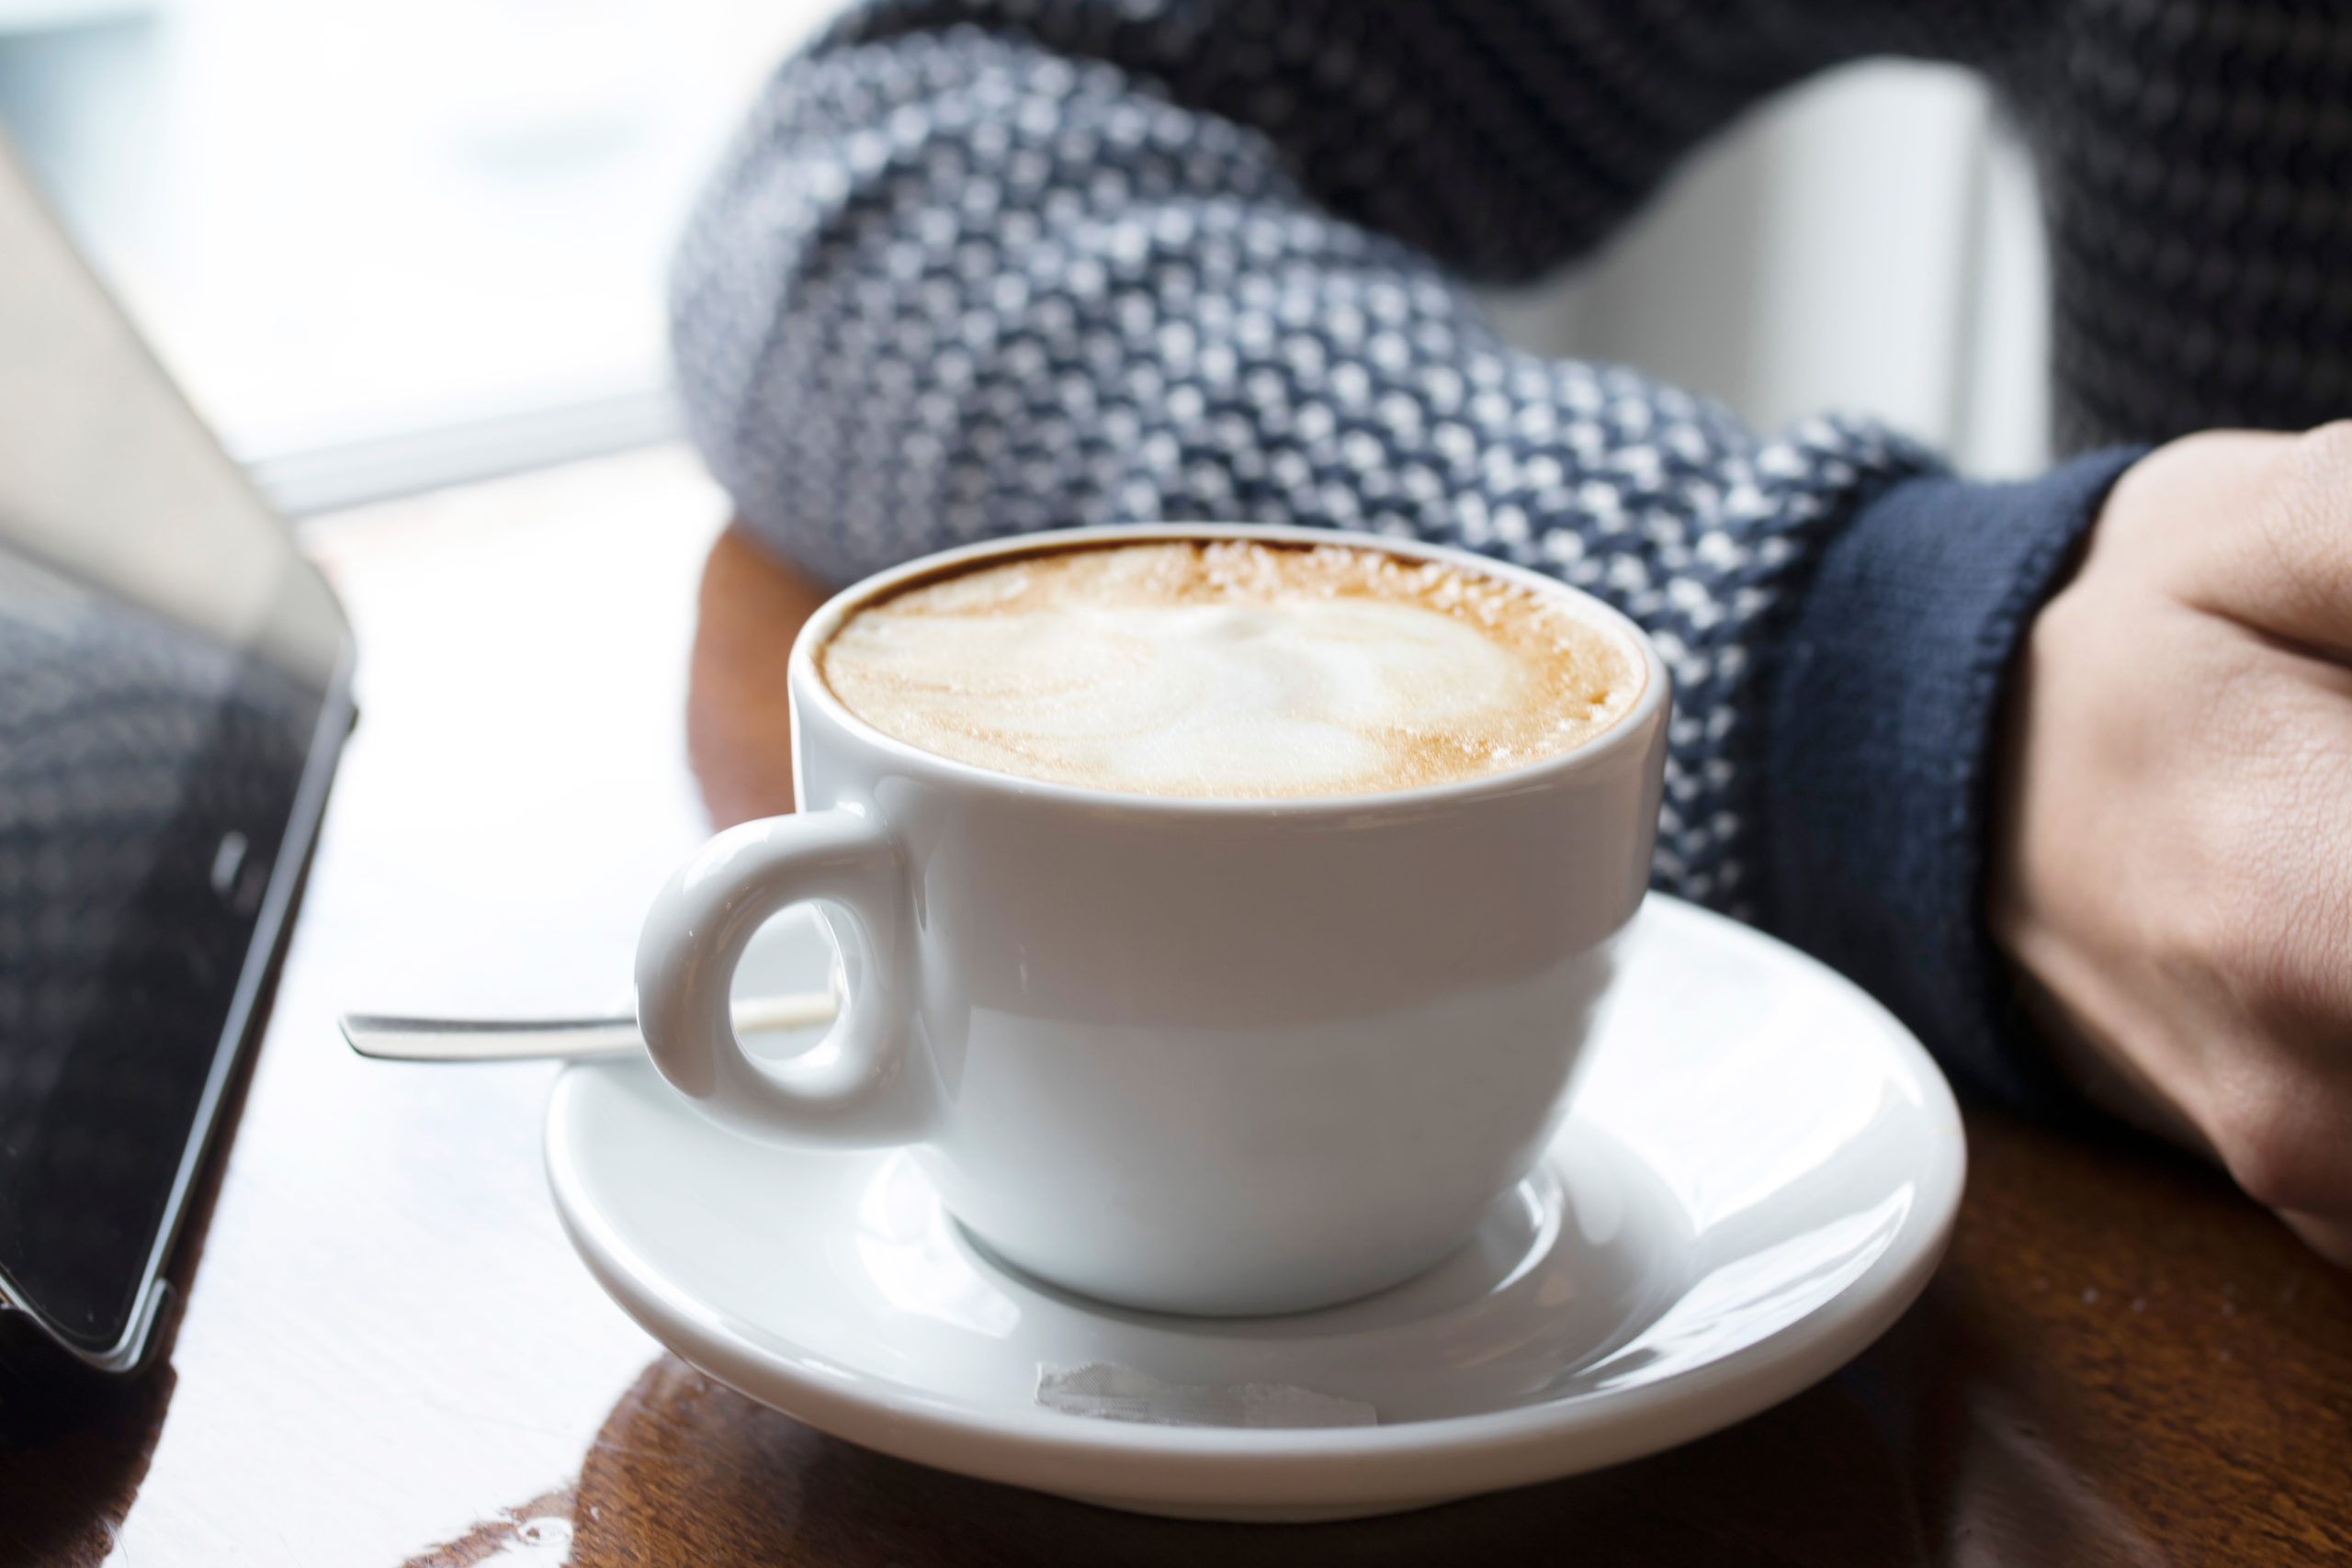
389	1354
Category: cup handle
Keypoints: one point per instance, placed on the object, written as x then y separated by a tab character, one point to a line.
858	1087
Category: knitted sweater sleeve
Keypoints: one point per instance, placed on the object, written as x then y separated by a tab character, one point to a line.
977	269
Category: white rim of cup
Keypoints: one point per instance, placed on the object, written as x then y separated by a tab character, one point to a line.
807	683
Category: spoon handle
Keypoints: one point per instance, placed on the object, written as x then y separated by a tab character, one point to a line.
391	1039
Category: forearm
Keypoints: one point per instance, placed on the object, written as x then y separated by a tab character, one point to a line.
953	286
1147	318
1500	140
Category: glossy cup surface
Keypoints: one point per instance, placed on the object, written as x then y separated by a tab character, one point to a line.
1217	1056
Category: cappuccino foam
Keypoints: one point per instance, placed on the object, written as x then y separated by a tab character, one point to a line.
1231	667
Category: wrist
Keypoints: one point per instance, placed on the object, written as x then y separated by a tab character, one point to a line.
1885	699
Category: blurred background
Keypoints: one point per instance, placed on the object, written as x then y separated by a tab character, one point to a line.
395	244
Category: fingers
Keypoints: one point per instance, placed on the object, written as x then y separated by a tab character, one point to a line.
2277	1107
2173	866
2251	938
2278	530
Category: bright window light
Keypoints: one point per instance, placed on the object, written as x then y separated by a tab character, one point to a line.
383	239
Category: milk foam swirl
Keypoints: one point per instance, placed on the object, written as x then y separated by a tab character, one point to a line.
1231	669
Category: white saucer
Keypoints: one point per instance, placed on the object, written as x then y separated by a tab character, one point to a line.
1759	1175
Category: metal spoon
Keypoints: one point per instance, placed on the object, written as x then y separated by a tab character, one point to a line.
390	1038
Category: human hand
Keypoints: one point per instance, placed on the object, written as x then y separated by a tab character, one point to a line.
2172	849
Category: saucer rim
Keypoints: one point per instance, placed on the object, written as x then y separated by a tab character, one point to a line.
1401	1465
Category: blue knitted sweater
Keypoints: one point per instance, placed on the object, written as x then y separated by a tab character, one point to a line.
980	266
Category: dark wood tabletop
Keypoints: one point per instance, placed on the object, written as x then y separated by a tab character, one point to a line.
388	1355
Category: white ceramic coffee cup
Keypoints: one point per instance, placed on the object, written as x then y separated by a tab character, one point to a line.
1195	1056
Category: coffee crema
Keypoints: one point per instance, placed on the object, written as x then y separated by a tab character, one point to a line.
1231	669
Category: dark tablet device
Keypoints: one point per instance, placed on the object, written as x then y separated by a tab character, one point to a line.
173	690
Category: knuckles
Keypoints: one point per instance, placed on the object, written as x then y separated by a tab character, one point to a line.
2322	456
2308	501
